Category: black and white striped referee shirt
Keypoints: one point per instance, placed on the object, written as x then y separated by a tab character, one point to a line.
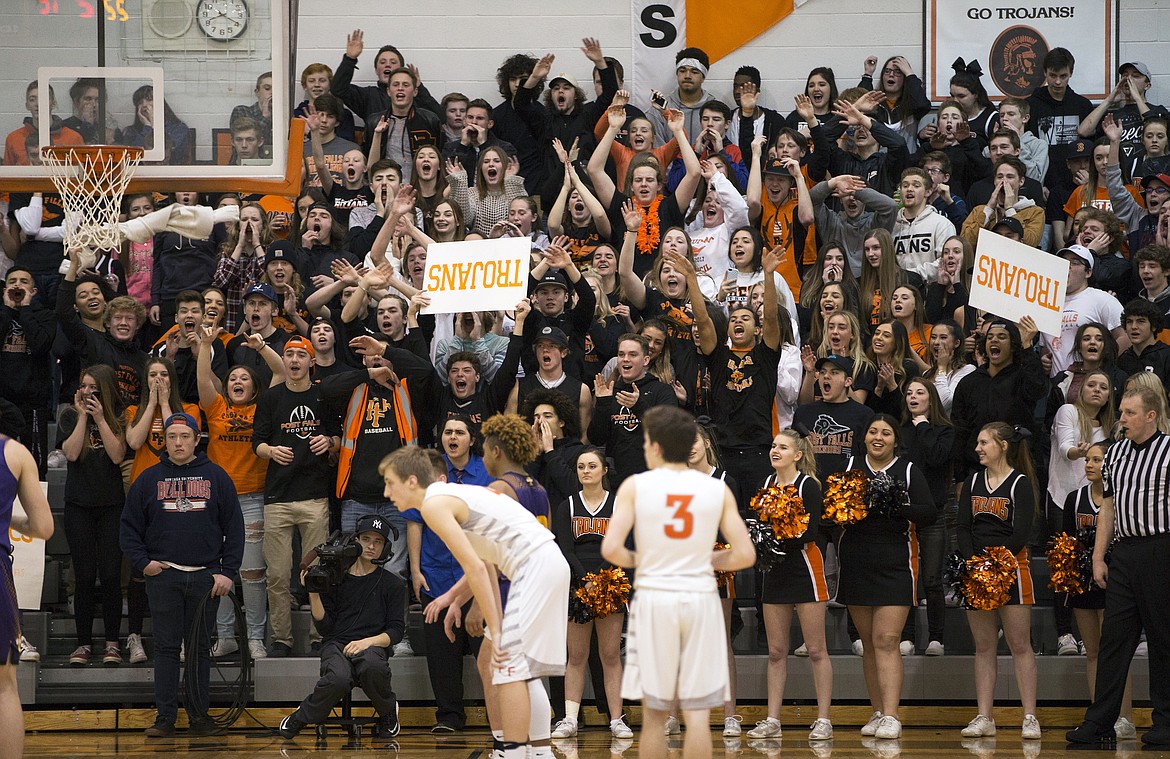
1139	478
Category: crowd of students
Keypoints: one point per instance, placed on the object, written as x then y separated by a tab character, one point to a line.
799	282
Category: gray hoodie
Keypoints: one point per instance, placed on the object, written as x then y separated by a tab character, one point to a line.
880	211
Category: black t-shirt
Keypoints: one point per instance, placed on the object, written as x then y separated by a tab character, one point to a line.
284	417
676	313
743	387
365	606
238	352
836	431
93	480
344	200
669	215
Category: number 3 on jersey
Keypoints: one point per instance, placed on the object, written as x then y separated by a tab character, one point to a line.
683	523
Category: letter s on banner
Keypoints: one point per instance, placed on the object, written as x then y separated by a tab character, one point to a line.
658	32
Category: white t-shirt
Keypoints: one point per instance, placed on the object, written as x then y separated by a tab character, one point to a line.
1089	305
499	529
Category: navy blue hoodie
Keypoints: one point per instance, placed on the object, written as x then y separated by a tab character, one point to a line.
186	514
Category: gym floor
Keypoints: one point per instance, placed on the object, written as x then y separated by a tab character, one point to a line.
590	744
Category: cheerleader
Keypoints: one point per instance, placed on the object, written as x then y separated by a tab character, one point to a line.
579	524
1080	512
798	583
879	573
705	458
996	508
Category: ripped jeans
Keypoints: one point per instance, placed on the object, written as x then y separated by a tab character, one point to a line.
252	574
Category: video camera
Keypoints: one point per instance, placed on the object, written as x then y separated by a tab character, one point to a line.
334	558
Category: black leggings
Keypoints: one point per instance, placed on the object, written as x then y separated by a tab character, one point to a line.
92	533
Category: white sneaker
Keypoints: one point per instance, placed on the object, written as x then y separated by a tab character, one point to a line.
869	729
1124	729
801	650
1030	731
566	728
888	728
766	728
257	650
672	726
28	652
183	652
619	729
1066	645
402	648
1142	649
135	648
821	730
731	728
935	648
224	647
906	648
858	648
980	727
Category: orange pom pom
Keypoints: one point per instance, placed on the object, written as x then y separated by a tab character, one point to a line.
1064	561
782	508
989	579
846	497
723	579
605	591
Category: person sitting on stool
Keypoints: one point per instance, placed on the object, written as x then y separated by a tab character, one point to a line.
359	621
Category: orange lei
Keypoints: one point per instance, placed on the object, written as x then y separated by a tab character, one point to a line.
648	233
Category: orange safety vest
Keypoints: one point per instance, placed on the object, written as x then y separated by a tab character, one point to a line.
355	413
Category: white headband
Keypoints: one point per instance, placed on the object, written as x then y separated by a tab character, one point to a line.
693	63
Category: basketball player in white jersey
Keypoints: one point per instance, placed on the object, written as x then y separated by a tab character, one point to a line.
484	530
676	645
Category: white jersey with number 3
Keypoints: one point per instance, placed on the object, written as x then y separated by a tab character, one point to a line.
676	520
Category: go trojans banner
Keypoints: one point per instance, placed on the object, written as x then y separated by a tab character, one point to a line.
1013	280
477	275
1009	39
663	27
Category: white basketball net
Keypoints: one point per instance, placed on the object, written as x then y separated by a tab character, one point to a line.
91	184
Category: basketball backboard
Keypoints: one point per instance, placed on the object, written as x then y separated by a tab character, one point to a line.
106	72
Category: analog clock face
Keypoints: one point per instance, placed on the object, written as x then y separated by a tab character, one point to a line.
222	19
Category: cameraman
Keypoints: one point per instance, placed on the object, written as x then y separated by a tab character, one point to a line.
359	621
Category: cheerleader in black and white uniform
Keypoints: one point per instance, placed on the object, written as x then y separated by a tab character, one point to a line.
996	508
705	458
1080	512
579	524
798	583
879	573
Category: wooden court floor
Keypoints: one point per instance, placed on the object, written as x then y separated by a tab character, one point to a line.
414	743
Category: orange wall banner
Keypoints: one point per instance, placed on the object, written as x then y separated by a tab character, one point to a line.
663	27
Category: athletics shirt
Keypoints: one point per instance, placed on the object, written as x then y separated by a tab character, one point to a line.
501	531
999	517
580	529
836	431
229	443
743	389
676	520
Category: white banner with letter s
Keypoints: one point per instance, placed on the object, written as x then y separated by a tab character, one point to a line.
28	562
1009	39
1014	280
477	275
658	31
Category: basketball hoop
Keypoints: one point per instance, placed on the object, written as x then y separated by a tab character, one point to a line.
91	180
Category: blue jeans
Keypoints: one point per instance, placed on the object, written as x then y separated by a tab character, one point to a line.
351	511
251	574
174	596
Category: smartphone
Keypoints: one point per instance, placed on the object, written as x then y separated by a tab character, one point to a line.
658	100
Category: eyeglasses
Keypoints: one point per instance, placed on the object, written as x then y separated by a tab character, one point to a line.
935	172
891	71
1159	190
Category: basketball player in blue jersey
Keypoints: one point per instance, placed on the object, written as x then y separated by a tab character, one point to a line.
676	647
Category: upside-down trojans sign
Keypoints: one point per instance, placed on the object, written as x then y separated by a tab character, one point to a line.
1009	39
663	27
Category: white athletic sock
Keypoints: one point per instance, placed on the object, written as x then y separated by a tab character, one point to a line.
498	734
519	751
540	710
572	709
540	752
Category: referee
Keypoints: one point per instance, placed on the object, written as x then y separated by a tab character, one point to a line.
1137	597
